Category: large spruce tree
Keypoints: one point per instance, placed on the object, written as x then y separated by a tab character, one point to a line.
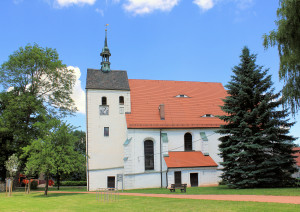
256	148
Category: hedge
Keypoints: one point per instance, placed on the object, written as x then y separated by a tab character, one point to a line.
72	183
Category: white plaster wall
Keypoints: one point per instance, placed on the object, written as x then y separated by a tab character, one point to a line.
98	178
206	176
134	152
176	141
143	180
106	152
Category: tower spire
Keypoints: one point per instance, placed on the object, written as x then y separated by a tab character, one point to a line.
105	54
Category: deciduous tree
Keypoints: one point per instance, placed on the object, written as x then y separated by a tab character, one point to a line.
287	38
53	153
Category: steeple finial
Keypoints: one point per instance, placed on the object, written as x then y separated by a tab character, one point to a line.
105	54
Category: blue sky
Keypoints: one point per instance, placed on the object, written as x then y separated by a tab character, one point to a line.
189	40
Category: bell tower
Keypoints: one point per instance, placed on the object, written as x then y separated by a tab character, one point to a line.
105	54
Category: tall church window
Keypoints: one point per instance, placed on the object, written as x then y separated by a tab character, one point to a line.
104	100
121	100
149	155
188	143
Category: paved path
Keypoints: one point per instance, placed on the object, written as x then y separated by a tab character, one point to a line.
251	198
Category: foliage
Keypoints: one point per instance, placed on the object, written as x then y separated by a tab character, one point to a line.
80	174
34	185
12	165
73	183
53	153
256	149
287	38
36	84
39	71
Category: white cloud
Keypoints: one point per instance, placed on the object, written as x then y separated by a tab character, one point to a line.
101	12
66	3
139	7
78	94
244	4
204	4
17	1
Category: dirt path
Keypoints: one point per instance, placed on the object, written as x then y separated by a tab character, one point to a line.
251	198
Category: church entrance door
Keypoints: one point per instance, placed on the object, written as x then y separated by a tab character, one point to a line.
111	182
194	179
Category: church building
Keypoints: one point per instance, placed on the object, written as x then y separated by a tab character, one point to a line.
150	133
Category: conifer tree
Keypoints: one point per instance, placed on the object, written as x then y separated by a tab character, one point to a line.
255	146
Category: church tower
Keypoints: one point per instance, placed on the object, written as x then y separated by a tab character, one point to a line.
107	102
105	54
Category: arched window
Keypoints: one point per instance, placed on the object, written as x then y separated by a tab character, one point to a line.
121	100
104	100
188	142
149	155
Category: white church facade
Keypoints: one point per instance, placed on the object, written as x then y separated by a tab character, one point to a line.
150	133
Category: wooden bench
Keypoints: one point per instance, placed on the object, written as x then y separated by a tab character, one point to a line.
182	187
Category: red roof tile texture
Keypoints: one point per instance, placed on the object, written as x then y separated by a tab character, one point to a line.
298	156
147	95
189	159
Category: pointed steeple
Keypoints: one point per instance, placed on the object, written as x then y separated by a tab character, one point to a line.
105	54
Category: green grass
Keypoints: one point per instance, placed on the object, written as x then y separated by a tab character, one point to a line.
224	190
87	202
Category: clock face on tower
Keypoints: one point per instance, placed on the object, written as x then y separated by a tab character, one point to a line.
104	109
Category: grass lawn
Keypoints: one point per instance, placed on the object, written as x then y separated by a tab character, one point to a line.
224	190
87	202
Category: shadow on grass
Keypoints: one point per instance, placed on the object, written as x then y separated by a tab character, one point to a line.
41	194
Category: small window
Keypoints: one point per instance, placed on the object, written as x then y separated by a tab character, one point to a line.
121	110
121	100
104	100
106	131
182	96
208	115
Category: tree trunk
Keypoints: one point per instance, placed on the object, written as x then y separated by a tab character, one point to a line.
58	180
46	187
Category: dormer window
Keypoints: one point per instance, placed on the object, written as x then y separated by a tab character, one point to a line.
182	96
121	100
208	115
104	100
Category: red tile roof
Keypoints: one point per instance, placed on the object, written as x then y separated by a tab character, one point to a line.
188	159
298	155
147	95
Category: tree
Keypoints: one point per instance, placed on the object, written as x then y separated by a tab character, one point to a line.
16	128
79	146
256	148
287	38
12	165
53	153
36	83
40	72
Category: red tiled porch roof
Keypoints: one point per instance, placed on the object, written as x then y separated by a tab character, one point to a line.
189	159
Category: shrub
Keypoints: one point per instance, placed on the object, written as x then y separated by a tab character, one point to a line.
72	183
33	185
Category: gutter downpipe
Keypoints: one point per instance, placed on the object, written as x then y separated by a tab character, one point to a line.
160	159
167	178
87	144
